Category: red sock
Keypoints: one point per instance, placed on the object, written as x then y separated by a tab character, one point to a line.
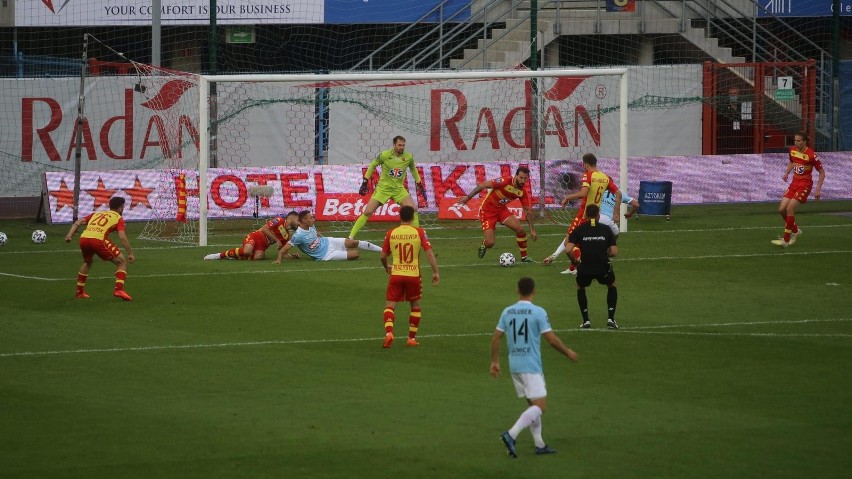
389	317
522	243
120	276
81	282
413	322
236	253
789	227
575	253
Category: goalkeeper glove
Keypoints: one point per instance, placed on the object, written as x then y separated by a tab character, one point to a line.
421	188
364	188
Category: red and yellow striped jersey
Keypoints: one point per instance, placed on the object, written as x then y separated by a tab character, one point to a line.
101	223
403	243
597	182
278	226
804	162
502	193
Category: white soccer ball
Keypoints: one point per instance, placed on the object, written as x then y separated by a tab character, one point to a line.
39	236
507	259
3	238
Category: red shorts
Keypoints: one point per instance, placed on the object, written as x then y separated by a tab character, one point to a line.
258	240
489	219
104	248
404	288
799	191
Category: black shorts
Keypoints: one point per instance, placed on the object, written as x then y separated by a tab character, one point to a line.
584	280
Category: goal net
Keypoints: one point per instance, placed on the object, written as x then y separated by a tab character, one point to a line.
312	137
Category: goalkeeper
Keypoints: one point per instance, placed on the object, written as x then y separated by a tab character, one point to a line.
391	185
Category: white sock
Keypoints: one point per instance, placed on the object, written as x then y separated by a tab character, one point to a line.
560	249
535	430
527	417
369	246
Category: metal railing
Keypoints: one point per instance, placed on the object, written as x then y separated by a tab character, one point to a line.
729	22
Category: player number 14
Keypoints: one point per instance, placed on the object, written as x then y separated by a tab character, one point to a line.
519	329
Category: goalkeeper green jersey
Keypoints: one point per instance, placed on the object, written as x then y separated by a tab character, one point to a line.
393	169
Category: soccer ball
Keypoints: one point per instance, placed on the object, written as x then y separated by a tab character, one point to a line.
507	259
3	238
39	236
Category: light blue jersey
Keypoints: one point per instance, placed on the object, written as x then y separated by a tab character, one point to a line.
524	323
608	202
308	241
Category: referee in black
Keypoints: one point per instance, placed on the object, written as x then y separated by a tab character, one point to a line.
597	243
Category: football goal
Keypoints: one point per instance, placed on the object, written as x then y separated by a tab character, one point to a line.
311	137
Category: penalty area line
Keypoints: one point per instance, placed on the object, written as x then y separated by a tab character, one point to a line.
288	270
377	339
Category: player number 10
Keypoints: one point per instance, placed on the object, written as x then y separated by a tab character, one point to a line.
405	253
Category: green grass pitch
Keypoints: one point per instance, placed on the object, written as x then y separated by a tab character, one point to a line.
732	360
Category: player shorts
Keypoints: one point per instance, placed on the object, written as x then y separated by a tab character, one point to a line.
104	248
489	219
257	240
336	250
404	288
799	191
384	193
606	220
584	280
529	385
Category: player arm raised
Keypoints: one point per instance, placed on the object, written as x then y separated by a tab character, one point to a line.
496	339
557	344
122	236
285	251
475	191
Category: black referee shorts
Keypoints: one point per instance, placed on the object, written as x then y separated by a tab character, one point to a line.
584	280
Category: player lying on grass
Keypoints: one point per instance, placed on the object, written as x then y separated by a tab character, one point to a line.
323	248
277	230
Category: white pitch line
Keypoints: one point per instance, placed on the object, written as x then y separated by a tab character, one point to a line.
747	323
434	238
770	335
287	269
30	277
278	342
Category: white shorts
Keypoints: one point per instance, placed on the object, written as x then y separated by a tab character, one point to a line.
606	220
529	385
336	250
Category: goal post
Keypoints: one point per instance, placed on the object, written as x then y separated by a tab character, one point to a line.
462	127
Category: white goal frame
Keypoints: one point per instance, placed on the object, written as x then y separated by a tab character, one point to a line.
205	82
